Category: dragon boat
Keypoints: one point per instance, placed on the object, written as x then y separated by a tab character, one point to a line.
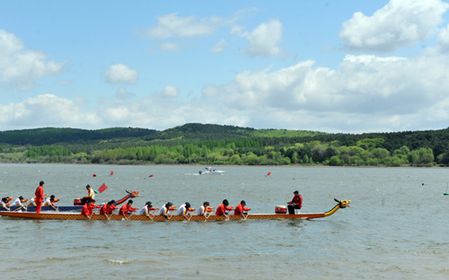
76	205
159	218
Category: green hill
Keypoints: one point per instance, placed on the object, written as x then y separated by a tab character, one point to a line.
223	144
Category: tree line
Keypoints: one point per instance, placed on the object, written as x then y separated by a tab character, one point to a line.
365	152
216	144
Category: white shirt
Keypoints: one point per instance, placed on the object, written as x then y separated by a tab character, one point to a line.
162	210
31	201
144	210
202	210
3	204
17	202
46	202
91	193
182	210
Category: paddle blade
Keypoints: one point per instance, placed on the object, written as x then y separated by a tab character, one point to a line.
102	188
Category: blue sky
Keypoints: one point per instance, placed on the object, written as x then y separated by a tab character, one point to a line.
332	66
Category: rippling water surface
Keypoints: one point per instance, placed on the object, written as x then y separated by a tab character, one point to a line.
397	227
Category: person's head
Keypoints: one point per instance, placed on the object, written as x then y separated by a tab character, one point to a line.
5	199
93	201
112	202
296	193
88	187
21	197
187	205
148	203
52	197
226	202
206	203
168	204
89	201
130	202
243	202
41	183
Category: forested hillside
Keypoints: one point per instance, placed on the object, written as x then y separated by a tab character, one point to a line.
216	144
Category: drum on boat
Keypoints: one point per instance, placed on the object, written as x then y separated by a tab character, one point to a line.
281	209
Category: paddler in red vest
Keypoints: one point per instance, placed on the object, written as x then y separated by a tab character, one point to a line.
104	210
221	210
39	196
87	209
241	209
112	207
127	209
296	203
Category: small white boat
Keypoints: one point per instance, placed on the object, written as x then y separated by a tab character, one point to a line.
209	170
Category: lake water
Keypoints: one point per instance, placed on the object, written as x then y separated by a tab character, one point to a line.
396	228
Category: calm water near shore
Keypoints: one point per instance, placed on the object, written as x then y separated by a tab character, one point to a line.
397	226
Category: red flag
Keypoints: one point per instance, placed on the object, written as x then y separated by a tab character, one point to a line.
102	188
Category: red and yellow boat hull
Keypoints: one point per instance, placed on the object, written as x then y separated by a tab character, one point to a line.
160	218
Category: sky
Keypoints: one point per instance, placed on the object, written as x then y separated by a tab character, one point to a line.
349	66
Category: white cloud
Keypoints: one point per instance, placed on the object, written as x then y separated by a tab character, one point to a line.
366	92
263	40
172	25
220	46
20	68
170	92
442	45
120	73
400	24
169	46
43	111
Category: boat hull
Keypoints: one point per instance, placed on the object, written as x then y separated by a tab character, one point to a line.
78	216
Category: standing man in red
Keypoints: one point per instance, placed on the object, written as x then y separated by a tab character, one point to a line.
296	203
39	196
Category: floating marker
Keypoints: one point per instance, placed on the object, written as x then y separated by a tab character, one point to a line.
294	179
446	193
95	175
423	184
269	173
112	173
151	176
